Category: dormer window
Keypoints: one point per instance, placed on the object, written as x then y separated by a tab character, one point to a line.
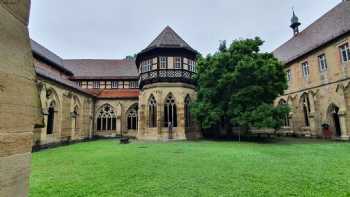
163	61
178	63
345	53
305	68
322	62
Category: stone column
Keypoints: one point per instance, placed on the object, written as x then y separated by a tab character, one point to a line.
312	116
118	111
342	119
19	110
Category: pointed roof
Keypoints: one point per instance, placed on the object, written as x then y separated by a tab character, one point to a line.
168	38
295	20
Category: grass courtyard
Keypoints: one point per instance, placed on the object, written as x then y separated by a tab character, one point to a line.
287	167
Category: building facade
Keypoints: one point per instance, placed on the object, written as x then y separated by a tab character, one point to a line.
317	65
147	97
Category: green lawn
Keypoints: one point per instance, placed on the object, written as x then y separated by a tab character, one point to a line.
106	168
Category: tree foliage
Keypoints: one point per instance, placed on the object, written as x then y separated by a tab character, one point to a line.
238	85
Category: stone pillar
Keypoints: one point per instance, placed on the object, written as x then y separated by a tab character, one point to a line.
342	119
118	111
312	116
160	108
19	99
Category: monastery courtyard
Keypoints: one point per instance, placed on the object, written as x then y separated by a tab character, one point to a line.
280	167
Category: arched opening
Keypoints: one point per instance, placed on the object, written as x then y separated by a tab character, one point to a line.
106	119
132	118
286	121
76	118
333	114
305	102
51	118
170	111
152	112
187	111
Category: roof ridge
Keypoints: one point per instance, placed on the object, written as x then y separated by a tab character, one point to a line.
329	26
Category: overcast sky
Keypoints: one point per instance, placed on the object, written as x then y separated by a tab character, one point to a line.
112	29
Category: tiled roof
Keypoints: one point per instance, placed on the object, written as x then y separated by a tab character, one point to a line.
102	69
119	93
58	78
330	26
168	38
45	54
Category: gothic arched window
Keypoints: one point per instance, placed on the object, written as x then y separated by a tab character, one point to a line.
170	112
187	111
106	119
132	119
286	122
306	109
75	116
152	112
50	118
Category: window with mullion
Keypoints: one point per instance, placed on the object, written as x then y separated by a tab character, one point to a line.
345	52
178	63
305	69
322	63
163	61
289	75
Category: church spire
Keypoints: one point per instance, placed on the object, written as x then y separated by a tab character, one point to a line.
295	24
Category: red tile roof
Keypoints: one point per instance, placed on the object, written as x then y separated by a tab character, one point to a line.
119	93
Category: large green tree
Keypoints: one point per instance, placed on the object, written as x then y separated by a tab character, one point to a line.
237	85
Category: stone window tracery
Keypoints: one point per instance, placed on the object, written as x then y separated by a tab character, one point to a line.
170	111
106	119
306	109
152	112
132	119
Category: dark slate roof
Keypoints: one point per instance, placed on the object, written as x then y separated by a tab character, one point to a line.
168	38
330	26
58	78
102	69
48	56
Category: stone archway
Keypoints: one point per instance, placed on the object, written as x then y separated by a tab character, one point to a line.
334	120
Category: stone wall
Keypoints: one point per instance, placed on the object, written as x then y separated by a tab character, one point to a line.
64	100
120	107
19	100
324	91
160	91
